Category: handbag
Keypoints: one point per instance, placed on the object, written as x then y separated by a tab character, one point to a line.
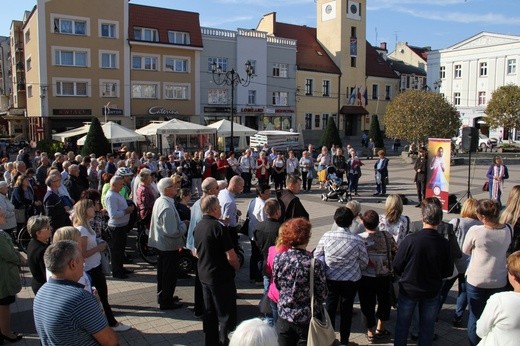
106	257
311	174
394	284
321	333
19	214
486	186
265	305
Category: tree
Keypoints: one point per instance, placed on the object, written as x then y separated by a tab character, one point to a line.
504	107
331	135
416	115
96	141
375	132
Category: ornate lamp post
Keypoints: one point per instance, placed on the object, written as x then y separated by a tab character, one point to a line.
233	79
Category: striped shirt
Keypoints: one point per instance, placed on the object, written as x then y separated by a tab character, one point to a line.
66	314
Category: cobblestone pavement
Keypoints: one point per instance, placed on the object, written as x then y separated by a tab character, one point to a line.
134	300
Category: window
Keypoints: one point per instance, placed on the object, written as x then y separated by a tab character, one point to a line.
253	66
456	99
70	58
144	91
375	92
217	96
221	62
325	120
309	90
353	61
353	31
280	70
317	121
308	121
481	98
325	88
511	66
27	36
442	72
388	92
70	26
280	98
251	97
482	69
145	34
458	71
176	91
176	64
29	91
109	60
28	64
178	37
108	30
109	89
144	62
71	88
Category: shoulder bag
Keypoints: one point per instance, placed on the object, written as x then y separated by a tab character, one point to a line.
106	257
394	281
321	333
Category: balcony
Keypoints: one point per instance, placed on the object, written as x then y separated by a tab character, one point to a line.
20	66
21	87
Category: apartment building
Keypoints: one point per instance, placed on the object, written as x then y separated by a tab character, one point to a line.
266	100
468	72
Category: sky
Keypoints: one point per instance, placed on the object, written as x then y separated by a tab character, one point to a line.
435	23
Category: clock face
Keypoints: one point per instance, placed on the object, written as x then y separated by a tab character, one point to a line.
328	9
353	9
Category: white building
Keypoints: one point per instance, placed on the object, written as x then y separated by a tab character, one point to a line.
468	72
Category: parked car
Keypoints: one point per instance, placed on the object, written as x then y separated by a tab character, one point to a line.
484	143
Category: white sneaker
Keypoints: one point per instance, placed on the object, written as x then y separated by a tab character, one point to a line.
120	327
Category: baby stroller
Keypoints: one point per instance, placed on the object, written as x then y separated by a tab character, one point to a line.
337	188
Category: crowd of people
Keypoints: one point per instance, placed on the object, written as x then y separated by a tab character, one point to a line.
88	204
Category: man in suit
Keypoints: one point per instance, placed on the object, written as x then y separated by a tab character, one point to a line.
419	168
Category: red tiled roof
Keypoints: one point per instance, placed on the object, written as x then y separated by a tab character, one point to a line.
422	52
163	20
310	54
376	66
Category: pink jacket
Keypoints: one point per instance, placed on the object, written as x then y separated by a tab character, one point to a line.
273	293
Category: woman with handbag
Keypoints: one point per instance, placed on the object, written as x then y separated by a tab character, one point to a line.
496	175
84	212
291	275
376	279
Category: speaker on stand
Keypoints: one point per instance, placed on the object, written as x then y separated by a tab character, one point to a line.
470	144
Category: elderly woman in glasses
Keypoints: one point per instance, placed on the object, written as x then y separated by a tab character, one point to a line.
39	228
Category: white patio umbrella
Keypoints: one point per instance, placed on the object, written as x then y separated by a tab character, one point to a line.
116	133
223	128
62	136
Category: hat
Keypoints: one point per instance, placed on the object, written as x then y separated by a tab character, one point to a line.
3	184
123	172
57	154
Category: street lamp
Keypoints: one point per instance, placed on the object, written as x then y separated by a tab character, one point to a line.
233	79
437	84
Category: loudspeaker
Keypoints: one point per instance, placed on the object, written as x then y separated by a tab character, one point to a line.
453	205
470	139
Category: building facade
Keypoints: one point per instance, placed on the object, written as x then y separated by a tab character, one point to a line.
468	73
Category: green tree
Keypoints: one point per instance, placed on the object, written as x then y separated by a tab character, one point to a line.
416	115
331	135
50	146
504	107
375	132
96	141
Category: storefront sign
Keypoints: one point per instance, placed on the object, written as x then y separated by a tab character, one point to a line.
252	110
72	112
111	111
217	109
161	111
283	110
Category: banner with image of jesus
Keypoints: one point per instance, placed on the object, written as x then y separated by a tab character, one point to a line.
438	173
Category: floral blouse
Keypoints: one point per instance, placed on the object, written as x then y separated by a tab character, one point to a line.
381	248
291	276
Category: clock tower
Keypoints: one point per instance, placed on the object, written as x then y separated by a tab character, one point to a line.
341	30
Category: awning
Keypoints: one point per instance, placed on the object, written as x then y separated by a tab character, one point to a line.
353	110
116	133
71	133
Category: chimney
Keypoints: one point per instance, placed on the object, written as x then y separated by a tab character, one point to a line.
382	45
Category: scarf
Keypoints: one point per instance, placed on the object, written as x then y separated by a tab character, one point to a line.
498	171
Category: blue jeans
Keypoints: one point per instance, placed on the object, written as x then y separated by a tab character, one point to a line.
428	309
273	317
477	299
462	297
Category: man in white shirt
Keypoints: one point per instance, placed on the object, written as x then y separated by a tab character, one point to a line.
247	164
